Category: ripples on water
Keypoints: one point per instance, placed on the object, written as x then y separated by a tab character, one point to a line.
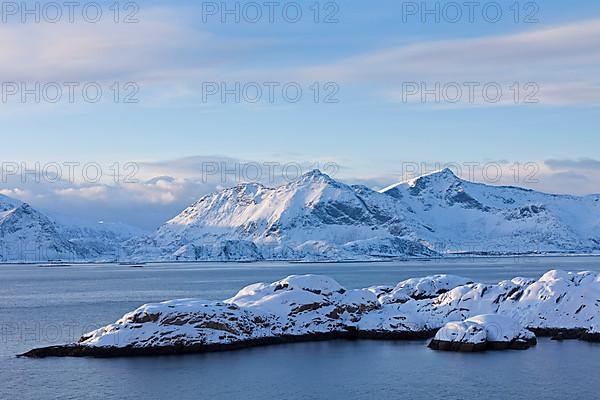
43	306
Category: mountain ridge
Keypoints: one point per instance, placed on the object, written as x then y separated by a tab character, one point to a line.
317	218
30	236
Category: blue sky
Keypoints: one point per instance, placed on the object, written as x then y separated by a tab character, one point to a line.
370	54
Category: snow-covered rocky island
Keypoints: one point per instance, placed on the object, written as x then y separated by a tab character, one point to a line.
310	307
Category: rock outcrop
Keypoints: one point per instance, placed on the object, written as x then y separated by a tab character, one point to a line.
300	308
483	332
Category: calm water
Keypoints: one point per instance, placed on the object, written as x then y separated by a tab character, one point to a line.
43	306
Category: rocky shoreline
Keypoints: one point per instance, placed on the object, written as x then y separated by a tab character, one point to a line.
76	350
478	347
472	316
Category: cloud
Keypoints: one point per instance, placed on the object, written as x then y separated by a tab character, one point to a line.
84	193
93	52
228	171
562	60
168	54
580	164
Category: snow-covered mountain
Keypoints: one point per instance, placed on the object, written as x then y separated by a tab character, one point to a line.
27	235
462	216
317	217
314	217
105	239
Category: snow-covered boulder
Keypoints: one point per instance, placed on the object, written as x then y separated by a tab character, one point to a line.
483	332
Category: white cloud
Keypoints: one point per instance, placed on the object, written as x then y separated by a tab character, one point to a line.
562	60
84	51
84	193
169	56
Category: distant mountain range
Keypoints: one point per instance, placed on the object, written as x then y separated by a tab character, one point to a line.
27	235
319	218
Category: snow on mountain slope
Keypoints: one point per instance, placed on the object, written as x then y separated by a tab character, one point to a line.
27	235
104	239
464	216
317	217
314	217
7	204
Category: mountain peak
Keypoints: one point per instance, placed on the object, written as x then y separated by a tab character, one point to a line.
442	176
248	188
445	173
315	175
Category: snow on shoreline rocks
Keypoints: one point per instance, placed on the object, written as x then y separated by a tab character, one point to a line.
592	334
483	332
310	307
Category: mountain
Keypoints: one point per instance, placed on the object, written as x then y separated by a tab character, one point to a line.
314	217
103	239
27	235
463	216
318	218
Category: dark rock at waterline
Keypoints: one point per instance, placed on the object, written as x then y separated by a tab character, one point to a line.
591	337
77	350
559	334
456	346
483	332
478	347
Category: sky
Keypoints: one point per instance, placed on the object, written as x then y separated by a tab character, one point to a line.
177	95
